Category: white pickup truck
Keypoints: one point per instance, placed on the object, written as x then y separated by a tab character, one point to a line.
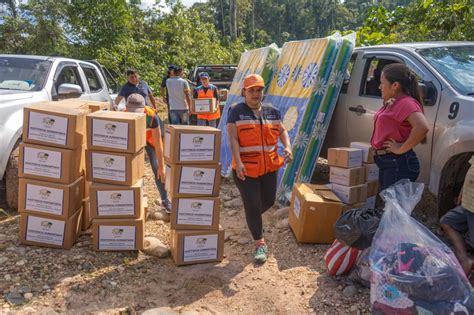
446	74
30	79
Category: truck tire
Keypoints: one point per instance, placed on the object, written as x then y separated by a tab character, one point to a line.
11	179
452	179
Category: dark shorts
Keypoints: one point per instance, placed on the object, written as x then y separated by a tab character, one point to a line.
462	221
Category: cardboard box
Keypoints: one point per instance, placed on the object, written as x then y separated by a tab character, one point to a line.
371	172
203	106
50	164
54	126
50	232
88	105
86	214
192	247
114	167
468	188
368	151
116	131
112	201
372	188
350	194
118	234
193	181
192	144
370	202
345	157
313	211
347	176
45	198
200	213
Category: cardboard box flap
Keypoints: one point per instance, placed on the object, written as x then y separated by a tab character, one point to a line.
117	115
328	195
191	128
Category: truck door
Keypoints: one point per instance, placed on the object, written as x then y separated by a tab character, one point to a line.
360	119
97	86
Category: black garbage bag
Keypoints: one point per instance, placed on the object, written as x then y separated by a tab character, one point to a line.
357	227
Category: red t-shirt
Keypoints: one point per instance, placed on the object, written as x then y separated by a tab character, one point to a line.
390	122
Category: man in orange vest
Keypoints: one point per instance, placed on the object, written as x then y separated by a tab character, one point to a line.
207	90
154	144
254	131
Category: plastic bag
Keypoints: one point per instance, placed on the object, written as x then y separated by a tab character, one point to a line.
361	270
411	268
357	227
340	259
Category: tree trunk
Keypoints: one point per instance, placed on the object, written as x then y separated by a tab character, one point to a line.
222	15
253	21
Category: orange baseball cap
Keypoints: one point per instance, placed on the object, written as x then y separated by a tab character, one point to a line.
253	80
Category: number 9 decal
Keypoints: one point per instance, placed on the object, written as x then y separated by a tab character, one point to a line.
453	110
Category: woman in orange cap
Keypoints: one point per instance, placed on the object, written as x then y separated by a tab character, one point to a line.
254	131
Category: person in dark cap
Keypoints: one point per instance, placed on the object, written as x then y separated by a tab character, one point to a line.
207	90
135	85
154	144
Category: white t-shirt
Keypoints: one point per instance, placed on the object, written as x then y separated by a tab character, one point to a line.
177	98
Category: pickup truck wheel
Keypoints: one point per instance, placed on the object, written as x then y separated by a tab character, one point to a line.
452	179
11	179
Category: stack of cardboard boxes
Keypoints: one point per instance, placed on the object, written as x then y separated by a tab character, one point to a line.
51	169
115	166
193	183
371	172
347	176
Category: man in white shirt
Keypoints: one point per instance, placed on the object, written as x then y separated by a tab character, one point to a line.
179	99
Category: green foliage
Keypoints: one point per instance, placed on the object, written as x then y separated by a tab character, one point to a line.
422	20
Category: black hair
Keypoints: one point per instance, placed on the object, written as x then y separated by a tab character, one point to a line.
131	71
398	72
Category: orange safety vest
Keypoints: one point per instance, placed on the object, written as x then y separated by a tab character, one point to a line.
208	94
151	113
258	146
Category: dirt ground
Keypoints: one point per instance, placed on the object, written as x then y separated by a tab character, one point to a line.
78	281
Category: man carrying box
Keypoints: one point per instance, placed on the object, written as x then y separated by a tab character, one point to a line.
207	90
154	144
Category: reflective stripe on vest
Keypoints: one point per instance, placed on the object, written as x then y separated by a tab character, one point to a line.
258	146
208	94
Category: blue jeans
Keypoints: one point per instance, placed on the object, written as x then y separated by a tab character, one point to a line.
394	167
179	117
205	122
154	166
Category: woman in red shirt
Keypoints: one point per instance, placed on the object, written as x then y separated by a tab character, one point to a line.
399	126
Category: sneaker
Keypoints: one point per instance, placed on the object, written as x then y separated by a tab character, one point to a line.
166	204
260	253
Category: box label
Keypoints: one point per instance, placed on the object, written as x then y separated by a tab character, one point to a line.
372	172
108	166
202	106
195	211
167	144
196	147
45	230
197	180
110	134
297	207
116	237
200	247
42	162
339	175
44	199
115	202
355	159
47	128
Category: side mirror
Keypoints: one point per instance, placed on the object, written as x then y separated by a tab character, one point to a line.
68	89
428	93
